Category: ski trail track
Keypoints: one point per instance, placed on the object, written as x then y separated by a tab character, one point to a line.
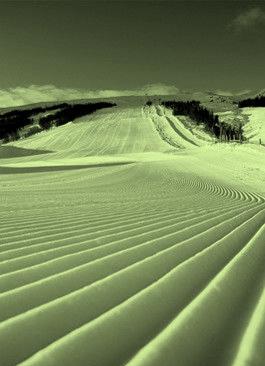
123	249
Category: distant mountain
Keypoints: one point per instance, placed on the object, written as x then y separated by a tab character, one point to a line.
20	96
261	93
227	93
158	89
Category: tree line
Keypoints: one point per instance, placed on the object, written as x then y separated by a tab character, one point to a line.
199	114
252	102
71	112
13	122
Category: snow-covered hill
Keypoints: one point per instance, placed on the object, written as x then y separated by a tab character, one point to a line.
129	239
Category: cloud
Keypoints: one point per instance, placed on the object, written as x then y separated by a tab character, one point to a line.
49	93
248	19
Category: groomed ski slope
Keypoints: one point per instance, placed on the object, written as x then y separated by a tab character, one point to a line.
125	241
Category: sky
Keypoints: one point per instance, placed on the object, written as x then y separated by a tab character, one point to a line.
97	45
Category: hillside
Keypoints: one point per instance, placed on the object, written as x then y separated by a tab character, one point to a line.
255	127
123	234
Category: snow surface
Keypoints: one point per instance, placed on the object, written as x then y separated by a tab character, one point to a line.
127	239
255	128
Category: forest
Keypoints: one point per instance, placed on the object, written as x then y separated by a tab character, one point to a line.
252	102
71	112
199	114
13	122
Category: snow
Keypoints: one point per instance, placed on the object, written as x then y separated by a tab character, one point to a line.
255	128
123	235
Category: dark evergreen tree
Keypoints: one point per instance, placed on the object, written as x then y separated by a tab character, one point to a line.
258	101
13	121
200	114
